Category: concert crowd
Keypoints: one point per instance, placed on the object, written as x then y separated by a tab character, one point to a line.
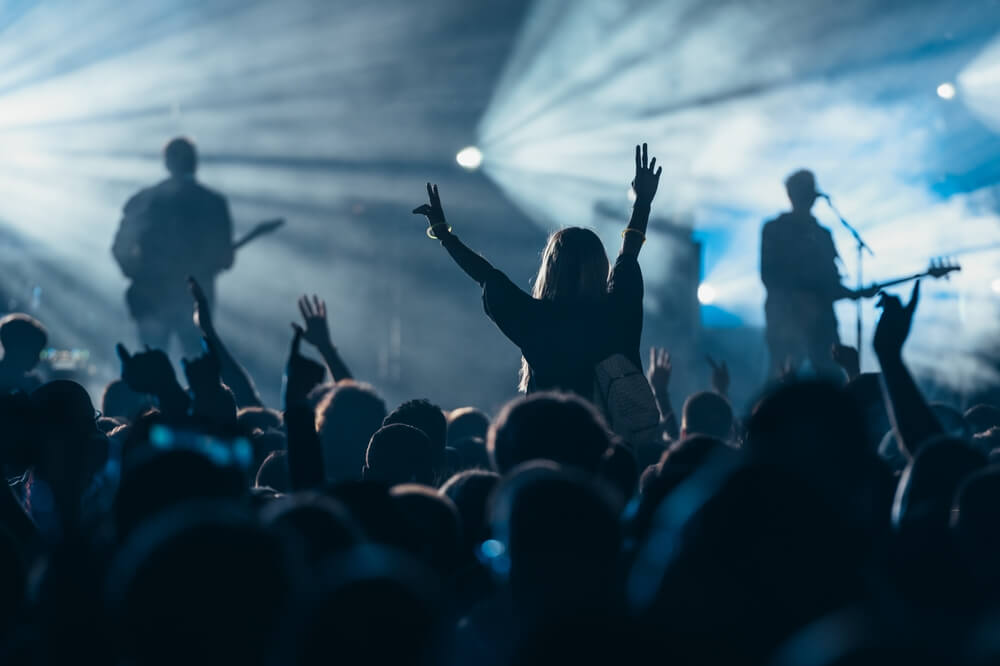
177	519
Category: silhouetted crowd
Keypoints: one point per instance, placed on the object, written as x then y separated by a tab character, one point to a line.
843	520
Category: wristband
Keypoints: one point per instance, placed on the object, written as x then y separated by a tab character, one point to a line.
634	231
431	233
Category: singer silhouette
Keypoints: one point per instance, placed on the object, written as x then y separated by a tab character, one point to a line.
798	266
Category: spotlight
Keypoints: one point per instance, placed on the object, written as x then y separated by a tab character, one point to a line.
631	195
469	158
995	286
706	293
946	90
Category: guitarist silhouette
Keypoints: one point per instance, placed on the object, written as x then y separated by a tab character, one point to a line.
172	230
798	266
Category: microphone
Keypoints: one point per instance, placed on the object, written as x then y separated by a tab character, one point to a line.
823	195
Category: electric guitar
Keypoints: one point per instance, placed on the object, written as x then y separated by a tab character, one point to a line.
261	229
144	297
939	268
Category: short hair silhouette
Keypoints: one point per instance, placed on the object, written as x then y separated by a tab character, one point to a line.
561	535
121	402
273	472
23	338
161	480
264	443
371	605
467	422
801	189
552	426
471	453
433	526
323	525
180	157
398	453
677	464
346	419
258	418
427	418
470	491
204	575
707	413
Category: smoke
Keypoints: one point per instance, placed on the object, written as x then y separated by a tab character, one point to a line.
732	97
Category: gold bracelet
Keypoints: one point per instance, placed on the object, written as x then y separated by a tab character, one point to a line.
431	232
634	231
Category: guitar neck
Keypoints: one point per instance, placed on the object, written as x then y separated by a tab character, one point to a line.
910	278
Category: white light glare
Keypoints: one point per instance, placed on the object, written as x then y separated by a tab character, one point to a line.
469	158
946	90
995	286
706	293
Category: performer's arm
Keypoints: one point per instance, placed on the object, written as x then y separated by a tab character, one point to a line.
775	272
227	255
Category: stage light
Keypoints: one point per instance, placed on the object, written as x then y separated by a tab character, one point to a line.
995	286
706	294
469	158
946	90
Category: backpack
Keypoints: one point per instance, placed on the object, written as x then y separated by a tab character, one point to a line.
623	394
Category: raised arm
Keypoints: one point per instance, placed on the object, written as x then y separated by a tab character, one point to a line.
151	372
911	416
305	455
474	265
317	333
233	374
647	179
658	374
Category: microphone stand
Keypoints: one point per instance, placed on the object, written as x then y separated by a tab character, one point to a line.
862	248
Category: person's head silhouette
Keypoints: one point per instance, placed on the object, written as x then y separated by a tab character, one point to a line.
801	188
180	157
574	269
23	338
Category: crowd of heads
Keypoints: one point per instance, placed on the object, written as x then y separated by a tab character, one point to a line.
835	521
433	535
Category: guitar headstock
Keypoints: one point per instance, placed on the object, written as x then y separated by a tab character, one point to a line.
268	226
941	267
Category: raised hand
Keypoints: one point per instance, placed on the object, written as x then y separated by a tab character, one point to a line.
894	325
301	373
316	331
647	176
203	373
659	370
847	358
149	371
433	212
202	312
720	376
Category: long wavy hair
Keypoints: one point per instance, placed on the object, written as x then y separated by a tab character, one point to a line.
574	269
